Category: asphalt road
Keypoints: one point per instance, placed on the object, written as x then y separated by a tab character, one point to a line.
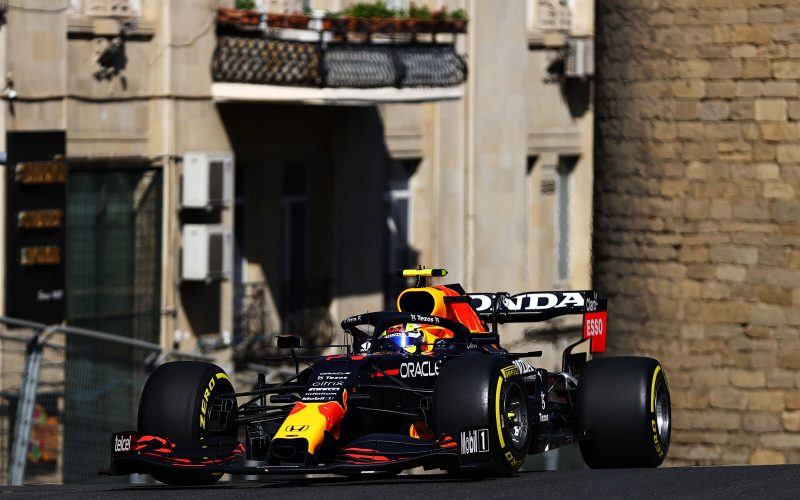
773	482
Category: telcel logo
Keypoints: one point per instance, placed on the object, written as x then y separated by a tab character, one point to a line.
122	443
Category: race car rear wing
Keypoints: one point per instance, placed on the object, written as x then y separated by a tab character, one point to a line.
501	307
534	306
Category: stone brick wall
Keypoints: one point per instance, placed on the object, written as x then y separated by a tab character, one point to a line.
697	215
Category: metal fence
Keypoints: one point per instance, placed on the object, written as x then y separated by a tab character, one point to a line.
63	390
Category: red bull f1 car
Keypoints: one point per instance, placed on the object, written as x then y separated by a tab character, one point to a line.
428	385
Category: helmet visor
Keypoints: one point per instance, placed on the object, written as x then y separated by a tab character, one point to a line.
407	340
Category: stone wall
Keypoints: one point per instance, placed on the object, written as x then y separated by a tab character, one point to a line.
697	216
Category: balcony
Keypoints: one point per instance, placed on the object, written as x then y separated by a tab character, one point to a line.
316	60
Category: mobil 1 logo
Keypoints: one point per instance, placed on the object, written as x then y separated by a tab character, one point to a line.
473	445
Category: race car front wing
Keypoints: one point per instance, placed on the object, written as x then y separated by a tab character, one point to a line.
132	453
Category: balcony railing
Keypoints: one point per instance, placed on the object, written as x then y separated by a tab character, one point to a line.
375	59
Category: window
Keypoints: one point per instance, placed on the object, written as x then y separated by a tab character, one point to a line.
562	216
295	236
114	250
113	270
399	253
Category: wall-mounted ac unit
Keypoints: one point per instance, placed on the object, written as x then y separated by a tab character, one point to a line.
207	180
207	252
580	58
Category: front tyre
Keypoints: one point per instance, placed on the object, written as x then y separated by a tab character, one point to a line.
624	412
481	402
175	405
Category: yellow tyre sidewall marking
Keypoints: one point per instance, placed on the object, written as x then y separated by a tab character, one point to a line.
653	390
205	397
497	412
656	437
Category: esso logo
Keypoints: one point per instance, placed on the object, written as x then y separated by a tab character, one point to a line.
594	327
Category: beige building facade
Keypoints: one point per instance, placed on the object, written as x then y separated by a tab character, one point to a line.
332	188
491	179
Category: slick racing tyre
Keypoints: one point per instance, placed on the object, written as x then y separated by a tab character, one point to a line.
174	405
481	402
624	412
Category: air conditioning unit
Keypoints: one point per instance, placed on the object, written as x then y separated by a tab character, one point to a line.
207	252
580	58
207	180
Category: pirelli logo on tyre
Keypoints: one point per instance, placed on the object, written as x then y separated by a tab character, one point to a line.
204	400
510	371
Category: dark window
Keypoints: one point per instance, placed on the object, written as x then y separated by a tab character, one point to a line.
113	270
216	180
295	237
399	252
114	251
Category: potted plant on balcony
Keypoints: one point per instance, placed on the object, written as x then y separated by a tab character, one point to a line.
360	17
298	20
334	21
420	19
459	19
449	22
245	13
242	13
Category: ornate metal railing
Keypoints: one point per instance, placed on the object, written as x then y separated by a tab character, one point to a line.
254	57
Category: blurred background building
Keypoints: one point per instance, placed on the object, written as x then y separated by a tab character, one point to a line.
697	214
204	182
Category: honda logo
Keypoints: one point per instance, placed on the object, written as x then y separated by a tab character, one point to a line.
295	428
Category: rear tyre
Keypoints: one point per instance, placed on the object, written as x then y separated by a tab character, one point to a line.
481	402
623	407
174	405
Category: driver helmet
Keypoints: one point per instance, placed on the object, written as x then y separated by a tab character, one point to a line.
405	337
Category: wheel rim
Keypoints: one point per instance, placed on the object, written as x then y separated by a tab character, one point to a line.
515	415
663	417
